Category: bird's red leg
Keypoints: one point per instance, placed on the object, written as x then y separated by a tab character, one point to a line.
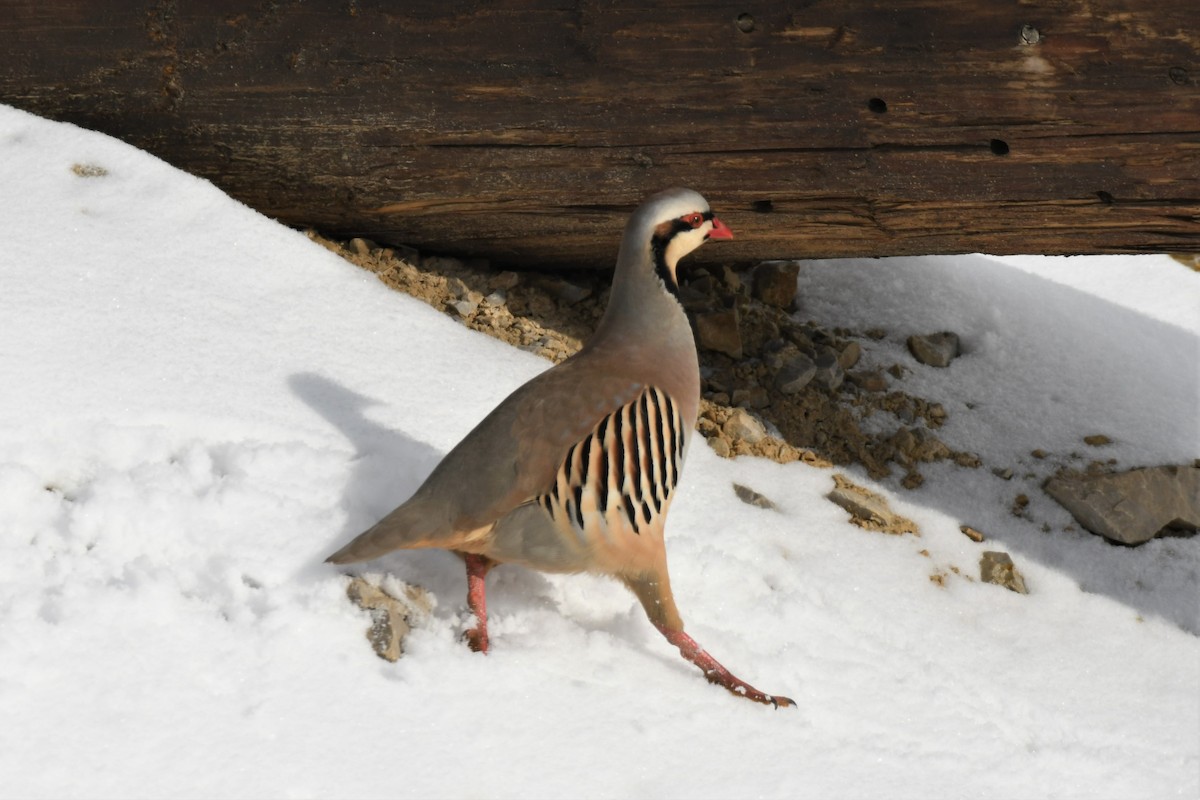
477	570
716	673
654	590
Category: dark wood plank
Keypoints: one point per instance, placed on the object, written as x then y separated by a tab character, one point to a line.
525	131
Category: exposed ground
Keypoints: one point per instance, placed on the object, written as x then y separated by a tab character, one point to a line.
752	404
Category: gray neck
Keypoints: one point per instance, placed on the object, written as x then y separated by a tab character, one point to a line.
640	307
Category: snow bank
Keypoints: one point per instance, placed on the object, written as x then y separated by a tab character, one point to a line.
200	404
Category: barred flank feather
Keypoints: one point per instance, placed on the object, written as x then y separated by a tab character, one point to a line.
622	474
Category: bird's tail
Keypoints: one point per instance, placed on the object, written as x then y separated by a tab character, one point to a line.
405	528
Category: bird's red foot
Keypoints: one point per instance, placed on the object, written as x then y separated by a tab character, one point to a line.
476	639
723	677
716	673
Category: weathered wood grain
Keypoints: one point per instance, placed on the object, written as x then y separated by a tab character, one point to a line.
525	131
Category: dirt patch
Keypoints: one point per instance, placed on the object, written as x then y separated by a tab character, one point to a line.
799	379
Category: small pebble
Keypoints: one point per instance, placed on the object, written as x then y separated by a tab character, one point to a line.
872	381
850	355
971	533
718	330
504	281
795	374
935	349
748	495
998	568
775	283
828	370
741	425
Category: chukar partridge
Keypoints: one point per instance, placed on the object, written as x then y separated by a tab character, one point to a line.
575	470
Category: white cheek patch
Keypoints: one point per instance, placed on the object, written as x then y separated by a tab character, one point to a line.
682	244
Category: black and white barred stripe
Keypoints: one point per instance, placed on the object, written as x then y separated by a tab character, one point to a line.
623	472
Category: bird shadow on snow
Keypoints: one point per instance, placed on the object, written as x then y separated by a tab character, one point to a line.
388	469
1044	364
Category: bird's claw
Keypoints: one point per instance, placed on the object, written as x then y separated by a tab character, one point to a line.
476	639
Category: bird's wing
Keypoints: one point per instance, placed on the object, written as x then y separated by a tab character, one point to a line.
511	457
514	455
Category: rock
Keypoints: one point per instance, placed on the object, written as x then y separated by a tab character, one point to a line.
936	415
409	255
362	247
872	381
1020	505
850	355
564	290
442	265
694	301
464	308
998	568
702	282
753	397
732	281
828	370
89	170
796	373
1039	453
905	441
718	330
717	381
720	446
775	283
969	460
741	425
802	342
971	533
869	510
392	618
936	349
1002	472
505	281
1097	440
1134	506
918	444
748	495
775	352
928	447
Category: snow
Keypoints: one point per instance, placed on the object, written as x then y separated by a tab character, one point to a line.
201	404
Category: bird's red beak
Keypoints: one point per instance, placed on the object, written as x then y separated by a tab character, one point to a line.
720	230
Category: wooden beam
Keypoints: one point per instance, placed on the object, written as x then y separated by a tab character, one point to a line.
525	131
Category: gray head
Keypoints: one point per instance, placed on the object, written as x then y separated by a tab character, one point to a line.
645	293
668	226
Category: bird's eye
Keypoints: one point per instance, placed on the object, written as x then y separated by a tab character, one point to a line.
695	220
